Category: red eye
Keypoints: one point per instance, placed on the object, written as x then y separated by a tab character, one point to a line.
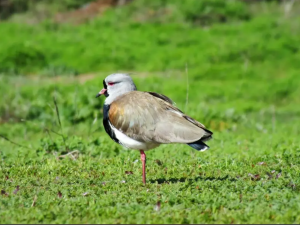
110	83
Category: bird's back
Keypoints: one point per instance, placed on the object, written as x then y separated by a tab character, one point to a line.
150	117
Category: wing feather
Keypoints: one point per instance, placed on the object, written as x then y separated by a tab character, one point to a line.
151	118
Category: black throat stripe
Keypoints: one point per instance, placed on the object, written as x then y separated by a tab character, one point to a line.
104	84
105	87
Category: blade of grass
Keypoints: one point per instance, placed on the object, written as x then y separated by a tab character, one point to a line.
59	121
7	139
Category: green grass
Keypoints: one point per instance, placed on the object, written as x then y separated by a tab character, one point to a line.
228	183
243	85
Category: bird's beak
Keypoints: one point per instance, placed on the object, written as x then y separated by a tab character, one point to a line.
102	92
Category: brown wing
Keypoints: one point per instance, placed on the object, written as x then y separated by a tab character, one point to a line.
147	118
163	97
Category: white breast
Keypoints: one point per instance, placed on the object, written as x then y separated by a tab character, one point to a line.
131	143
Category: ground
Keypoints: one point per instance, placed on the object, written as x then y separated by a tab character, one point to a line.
239	78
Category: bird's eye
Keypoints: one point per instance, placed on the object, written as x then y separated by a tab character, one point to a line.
110	83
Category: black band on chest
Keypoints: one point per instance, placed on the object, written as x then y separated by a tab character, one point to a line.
106	125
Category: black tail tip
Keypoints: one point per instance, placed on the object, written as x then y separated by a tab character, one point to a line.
199	146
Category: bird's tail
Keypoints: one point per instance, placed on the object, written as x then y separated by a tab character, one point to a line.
200	145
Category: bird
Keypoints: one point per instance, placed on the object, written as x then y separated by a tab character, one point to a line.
142	121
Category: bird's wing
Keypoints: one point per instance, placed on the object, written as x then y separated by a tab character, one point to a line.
161	96
150	118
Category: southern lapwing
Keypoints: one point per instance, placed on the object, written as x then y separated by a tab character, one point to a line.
144	120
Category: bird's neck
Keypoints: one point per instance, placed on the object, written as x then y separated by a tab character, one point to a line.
113	96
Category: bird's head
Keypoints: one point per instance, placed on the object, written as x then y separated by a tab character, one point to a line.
115	85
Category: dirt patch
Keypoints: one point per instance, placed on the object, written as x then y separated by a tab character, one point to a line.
88	11
82	78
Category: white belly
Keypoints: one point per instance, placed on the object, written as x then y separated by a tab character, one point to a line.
131	143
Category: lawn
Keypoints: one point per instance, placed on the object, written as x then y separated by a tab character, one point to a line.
240	78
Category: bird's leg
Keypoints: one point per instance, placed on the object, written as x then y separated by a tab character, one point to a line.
143	158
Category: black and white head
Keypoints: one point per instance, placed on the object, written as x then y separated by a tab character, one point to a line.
115	85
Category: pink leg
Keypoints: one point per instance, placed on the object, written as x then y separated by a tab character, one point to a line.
143	158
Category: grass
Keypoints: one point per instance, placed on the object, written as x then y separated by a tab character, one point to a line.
243	85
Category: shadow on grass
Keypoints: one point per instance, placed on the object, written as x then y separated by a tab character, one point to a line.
184	179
